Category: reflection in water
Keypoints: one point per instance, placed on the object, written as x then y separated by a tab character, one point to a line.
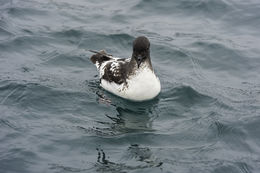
125	121
131	120
60	168
140	157
130	117
143	154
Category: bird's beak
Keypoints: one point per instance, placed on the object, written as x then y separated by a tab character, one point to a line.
139	60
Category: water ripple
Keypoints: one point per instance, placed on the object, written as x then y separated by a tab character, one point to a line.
56	118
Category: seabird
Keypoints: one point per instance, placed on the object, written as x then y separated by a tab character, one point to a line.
132	78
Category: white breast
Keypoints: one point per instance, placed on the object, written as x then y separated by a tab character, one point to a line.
144	85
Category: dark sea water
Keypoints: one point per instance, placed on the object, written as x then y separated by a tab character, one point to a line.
54	117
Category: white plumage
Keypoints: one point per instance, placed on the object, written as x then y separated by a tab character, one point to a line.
143	85
131	78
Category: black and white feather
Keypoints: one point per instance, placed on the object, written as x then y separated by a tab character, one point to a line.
131	78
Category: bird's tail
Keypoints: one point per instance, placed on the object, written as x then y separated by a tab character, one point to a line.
101	52
99	57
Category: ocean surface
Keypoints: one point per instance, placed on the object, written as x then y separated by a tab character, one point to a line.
55	118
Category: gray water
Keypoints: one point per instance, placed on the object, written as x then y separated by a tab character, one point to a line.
54	116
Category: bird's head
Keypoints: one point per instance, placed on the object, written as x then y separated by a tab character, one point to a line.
141	50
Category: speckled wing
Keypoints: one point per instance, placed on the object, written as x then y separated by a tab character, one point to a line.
114	71
110	68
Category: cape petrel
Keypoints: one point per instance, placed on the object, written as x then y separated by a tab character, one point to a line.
132	78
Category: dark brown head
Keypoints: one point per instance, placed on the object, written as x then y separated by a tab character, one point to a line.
141	50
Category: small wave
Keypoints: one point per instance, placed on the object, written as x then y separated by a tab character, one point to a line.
39	97
110	42
186	95
242	17
4	34
68	33
23	11
7	123
209	8
171	54
229	59
23	44
225	129
234	167
67	60
11	91
122	37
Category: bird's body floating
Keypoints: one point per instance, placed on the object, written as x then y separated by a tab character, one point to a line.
132	78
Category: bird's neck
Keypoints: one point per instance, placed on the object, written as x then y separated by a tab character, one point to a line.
133	65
